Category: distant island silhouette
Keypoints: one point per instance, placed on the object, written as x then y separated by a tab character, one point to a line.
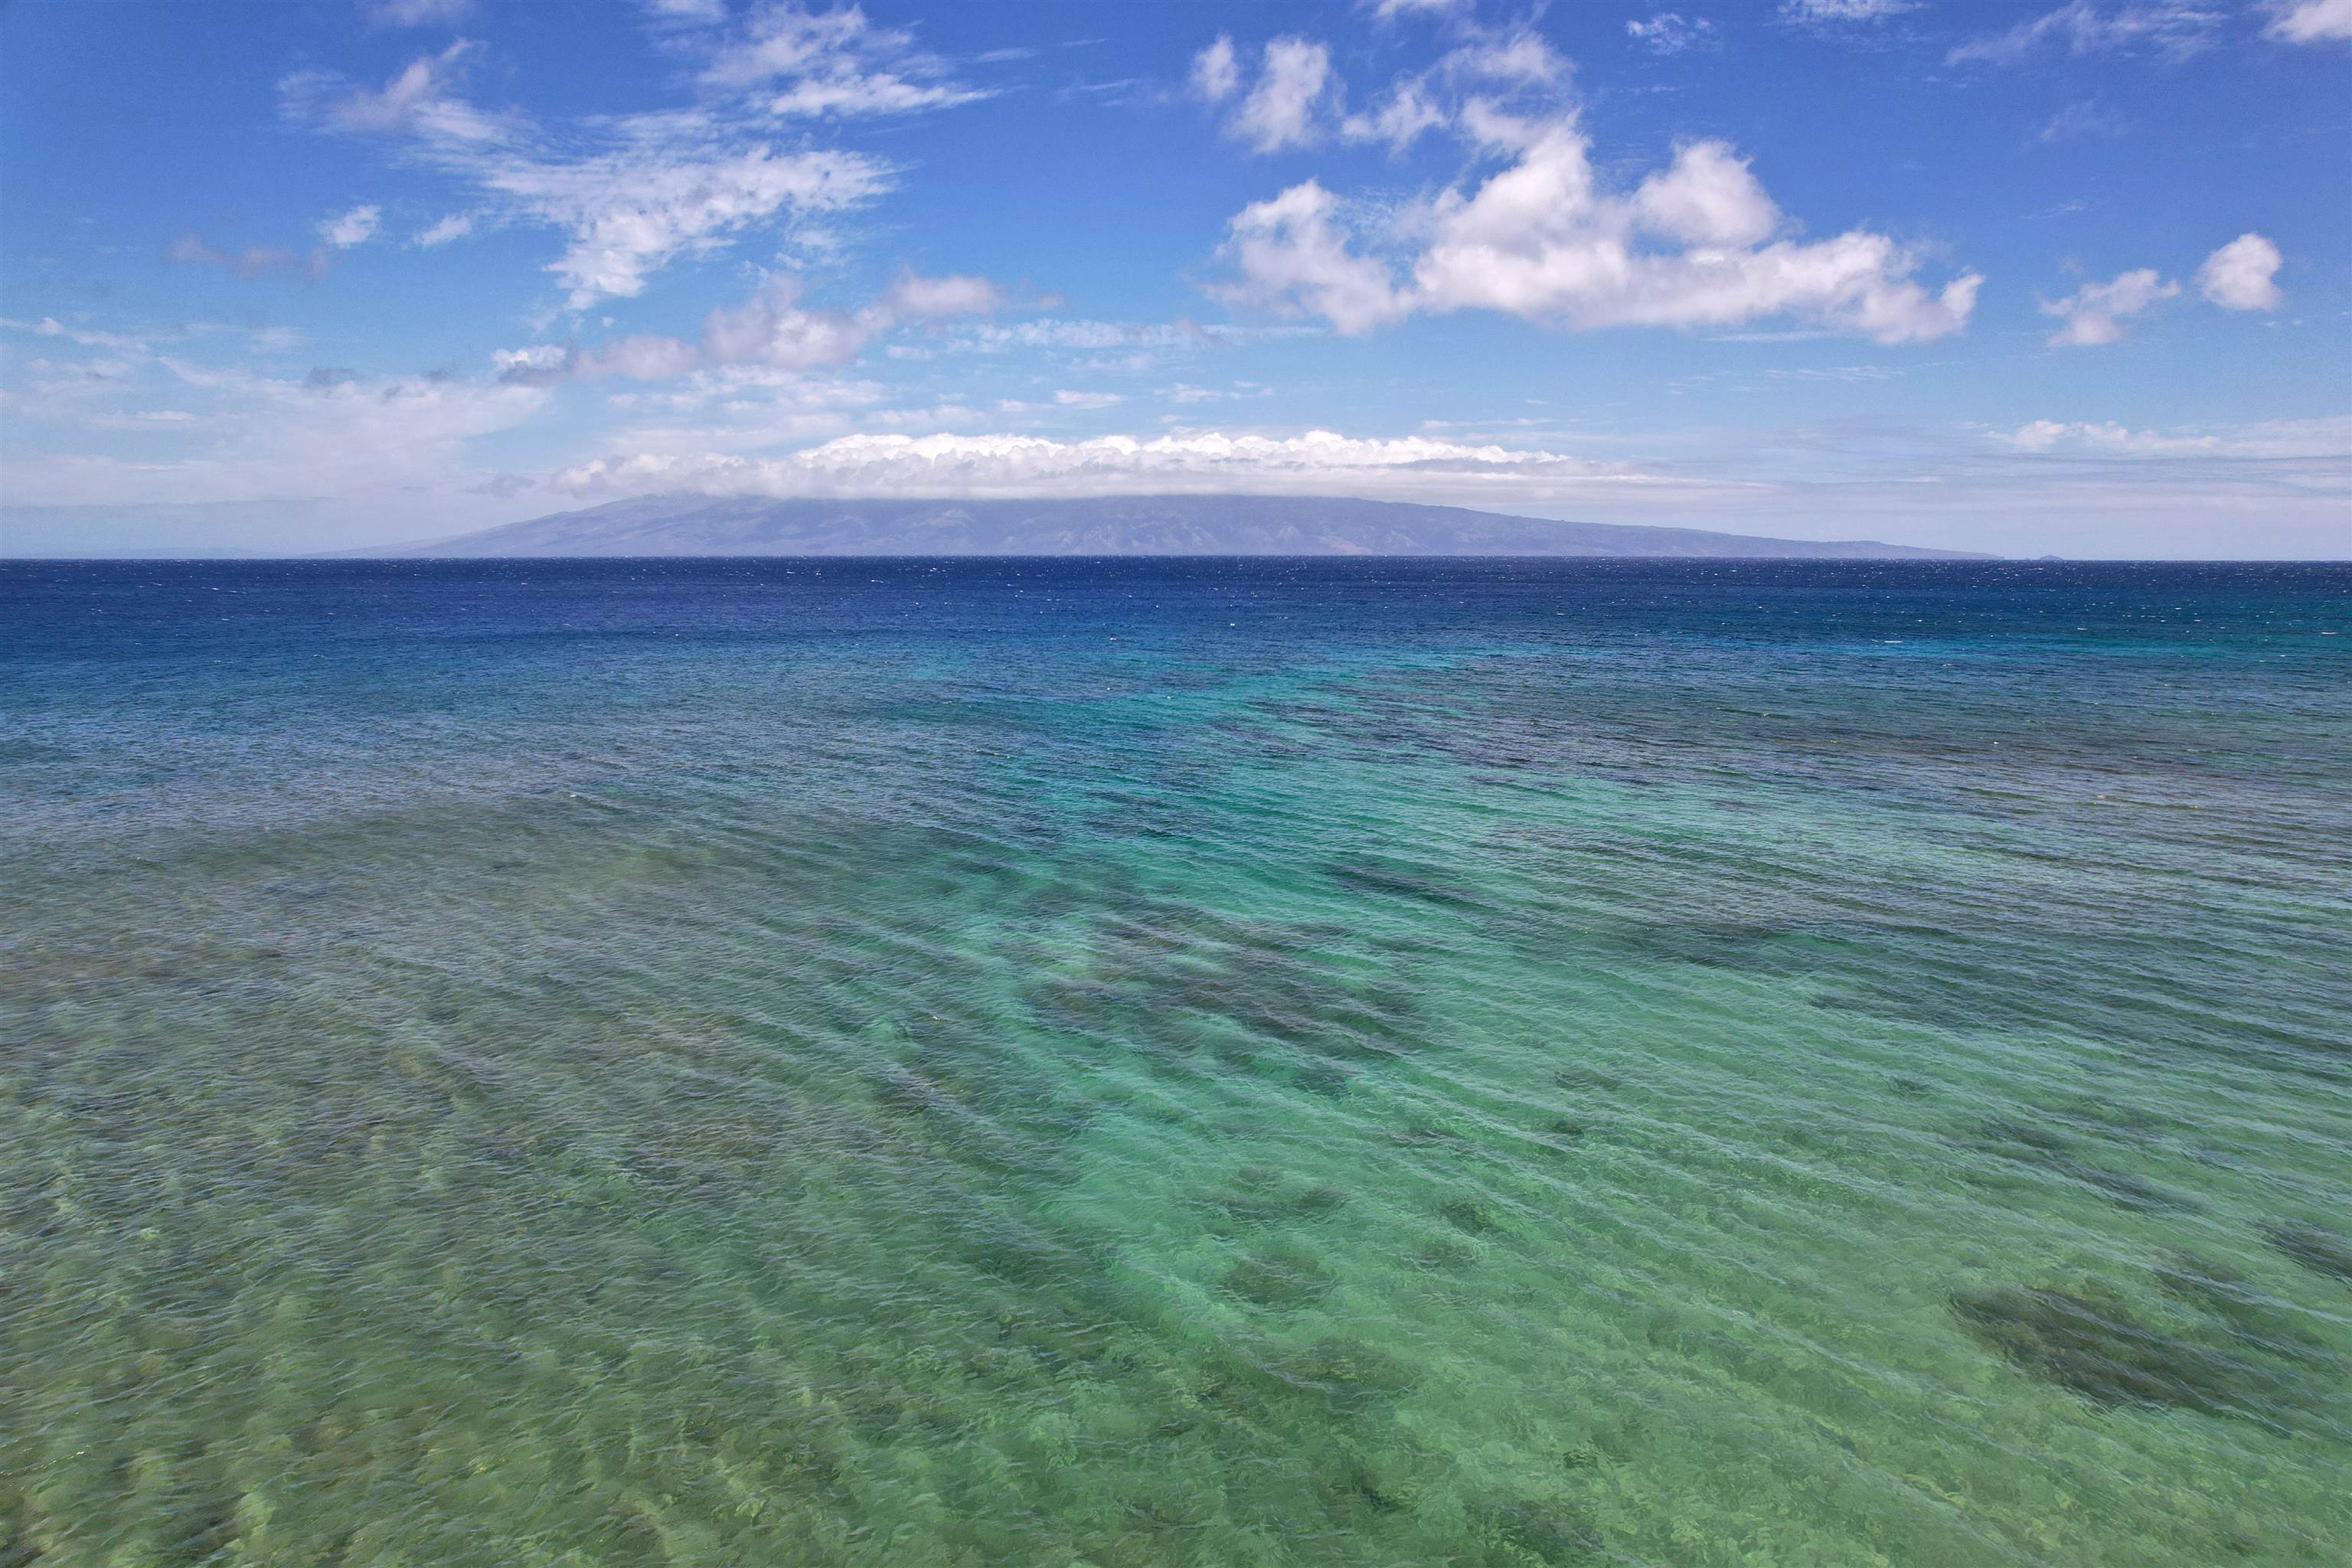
1106	525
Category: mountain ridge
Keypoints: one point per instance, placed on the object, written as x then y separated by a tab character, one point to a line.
1104	525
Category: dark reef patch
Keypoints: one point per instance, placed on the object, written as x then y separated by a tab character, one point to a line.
1470	1215
2092	1344
1281	1277
1544	1531
2024	1144
2317	1249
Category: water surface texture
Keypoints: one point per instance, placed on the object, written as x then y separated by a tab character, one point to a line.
1175	1063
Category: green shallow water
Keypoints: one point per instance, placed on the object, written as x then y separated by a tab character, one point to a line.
1186	1064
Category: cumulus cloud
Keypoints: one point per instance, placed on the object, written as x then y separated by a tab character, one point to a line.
2310	21
1320	462
2175	29
1698	244
1294	78
1217	73
356	226
2242	275
2094	313
1292	256
1670	32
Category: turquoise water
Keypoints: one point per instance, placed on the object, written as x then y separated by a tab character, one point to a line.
1175	1063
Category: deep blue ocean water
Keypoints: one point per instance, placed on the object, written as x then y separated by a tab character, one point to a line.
1157	1062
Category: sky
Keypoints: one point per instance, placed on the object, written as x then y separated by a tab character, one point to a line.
289	278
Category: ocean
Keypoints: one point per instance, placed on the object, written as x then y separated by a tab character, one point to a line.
1153	1062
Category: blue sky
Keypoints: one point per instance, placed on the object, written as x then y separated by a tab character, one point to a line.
298	277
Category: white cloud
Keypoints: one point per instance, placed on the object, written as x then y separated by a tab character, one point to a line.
537	357
356	226
1698	244
1385	10
1670	32
2096	312
1280	110
1519	59
1134	344
2173	28
630	214
913	298
634	194
773	330
1836	13
786	40
1319	462
2242	275
1216	75
879	93
830	63
420	97
1400	120
456	226
1298	98
1292	257
264	437
1068	399
2310	21
1707	197
661	187
2328	436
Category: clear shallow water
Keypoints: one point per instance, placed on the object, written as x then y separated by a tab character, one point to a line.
1161	1063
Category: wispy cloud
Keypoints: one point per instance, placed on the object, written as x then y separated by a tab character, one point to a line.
772	329
2310	21
1670	32
347	229
416	13
2174	29
1834	13
633	193
251	261
2094	313
2087	120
